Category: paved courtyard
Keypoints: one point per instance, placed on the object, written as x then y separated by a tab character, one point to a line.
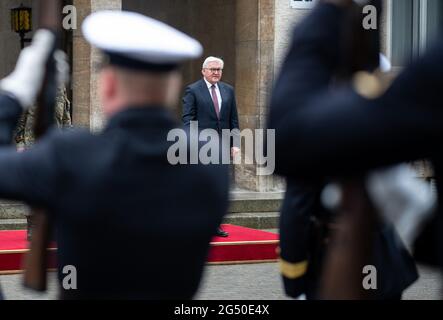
235	282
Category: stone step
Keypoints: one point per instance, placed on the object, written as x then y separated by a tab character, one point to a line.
240	202
13	224
245	201
259	205
254	220
251	195
12	210
258	210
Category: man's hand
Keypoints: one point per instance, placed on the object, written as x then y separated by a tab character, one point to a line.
235	151
26	80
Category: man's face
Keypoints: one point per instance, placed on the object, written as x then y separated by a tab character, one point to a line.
213	72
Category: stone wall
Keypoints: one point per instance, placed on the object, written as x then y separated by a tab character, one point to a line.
213	24
285	20
242	33
172	12
255	76
87	111
210	22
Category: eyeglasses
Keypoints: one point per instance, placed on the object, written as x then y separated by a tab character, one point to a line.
214	70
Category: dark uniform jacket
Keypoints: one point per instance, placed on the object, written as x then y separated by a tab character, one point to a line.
301	239
199	106
132	225
338	132
322	133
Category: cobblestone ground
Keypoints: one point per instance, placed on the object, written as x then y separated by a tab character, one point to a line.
242	282
235	282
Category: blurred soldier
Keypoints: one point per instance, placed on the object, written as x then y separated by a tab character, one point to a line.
24	135
313	73
124	221
364	125
302	239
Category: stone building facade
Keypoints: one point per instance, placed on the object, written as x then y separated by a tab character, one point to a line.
252	36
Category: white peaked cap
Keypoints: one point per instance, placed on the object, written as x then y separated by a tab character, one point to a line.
137	37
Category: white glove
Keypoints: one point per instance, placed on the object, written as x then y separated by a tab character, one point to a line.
402	199
26	80
62	68
331	196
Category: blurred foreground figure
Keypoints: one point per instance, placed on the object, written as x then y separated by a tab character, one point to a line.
336	118
121	210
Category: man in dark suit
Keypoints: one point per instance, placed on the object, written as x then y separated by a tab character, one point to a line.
123	218
212	104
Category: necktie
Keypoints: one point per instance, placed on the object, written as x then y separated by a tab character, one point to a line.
215	100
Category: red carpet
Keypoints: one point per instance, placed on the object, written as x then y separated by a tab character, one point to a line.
243	245
13	246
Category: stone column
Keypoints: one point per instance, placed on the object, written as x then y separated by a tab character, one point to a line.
86	106
255	23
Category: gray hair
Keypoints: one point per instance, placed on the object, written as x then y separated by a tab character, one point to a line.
213	59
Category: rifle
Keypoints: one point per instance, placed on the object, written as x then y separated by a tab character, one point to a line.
351	246
35	276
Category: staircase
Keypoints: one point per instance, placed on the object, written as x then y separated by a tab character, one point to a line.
257	210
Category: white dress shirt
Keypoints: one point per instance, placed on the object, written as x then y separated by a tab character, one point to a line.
217	91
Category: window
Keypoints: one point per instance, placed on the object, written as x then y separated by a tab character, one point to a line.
414	24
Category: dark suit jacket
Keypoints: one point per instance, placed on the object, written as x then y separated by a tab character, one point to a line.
122	211
198	106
